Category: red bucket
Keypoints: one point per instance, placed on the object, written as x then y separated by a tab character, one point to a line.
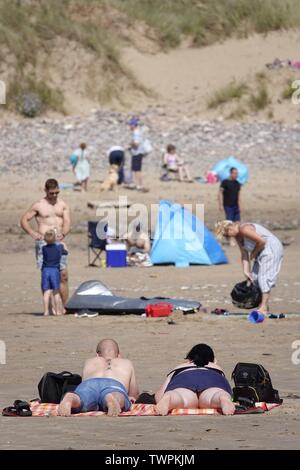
159	310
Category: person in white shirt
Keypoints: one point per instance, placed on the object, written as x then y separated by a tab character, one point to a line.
137	153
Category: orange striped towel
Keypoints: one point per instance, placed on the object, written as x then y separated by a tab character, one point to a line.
50	409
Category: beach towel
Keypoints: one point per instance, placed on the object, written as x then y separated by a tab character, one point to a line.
50	409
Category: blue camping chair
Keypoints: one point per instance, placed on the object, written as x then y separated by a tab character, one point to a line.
95	244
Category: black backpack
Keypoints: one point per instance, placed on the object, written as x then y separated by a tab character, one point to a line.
253	384
246	296
52	387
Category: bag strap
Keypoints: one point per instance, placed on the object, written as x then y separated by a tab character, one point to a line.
215	370
182	369
266	375
66	373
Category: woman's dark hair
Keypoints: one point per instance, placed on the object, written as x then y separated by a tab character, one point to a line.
201	355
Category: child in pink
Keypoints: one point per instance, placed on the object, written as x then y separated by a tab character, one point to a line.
176	164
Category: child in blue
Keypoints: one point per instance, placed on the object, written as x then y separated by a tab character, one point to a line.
52	253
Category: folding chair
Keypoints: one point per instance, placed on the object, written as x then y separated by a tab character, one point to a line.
95	245
167	174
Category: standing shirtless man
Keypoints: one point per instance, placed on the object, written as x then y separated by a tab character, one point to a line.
107	383
50	213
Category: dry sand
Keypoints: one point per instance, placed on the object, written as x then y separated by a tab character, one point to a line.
185	78
180	81
36	344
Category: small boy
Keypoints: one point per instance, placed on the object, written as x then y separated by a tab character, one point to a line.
52	253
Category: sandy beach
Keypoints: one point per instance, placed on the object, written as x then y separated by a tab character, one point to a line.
35	345
91	66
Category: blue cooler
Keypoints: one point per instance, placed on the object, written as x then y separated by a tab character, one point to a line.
116	255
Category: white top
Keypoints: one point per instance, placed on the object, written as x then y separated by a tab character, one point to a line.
137	138
82	168
116	247
263	232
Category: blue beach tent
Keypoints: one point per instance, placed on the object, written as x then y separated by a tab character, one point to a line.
182	239
222	168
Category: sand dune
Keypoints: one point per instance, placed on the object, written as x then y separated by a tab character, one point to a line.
183	78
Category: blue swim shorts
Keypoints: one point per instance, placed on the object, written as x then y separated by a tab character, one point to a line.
232	213
50	279
92	393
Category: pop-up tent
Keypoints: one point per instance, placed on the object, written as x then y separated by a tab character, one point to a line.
182	239
222	168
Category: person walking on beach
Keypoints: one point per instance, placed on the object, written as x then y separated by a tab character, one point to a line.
229	198
50	212
137	153
82	166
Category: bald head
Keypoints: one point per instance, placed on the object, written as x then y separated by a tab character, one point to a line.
108	348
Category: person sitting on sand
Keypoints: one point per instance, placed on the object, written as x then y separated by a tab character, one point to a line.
173	163
108	381
52	253
138	239
197	383
259	245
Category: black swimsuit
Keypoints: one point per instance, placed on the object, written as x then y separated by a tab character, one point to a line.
198	379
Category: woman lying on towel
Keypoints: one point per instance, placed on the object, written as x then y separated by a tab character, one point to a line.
197	383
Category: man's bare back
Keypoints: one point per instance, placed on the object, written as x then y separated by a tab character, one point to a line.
116	372
115	368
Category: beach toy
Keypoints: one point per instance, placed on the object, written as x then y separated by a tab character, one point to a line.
256	317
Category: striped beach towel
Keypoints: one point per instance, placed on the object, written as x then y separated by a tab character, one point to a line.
50	409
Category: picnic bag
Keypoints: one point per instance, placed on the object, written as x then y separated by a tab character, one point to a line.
147	147
253	384
52	387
